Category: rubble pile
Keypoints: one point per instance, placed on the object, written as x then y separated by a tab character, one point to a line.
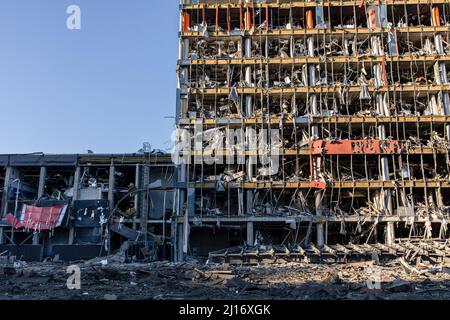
195	280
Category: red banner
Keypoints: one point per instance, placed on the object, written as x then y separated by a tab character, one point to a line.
38	218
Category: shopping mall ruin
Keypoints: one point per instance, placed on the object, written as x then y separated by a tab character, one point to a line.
306	130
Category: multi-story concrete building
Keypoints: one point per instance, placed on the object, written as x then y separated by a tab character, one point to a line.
354	100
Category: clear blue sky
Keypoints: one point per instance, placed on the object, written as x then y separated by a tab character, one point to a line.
107	87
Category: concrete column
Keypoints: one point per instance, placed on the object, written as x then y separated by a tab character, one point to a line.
250	193
41	191
174	238
438	44
291	47
183	75
186	232
185	51
76	184
9	176
241	207
439	199
182	178
111	186
76	193
250	234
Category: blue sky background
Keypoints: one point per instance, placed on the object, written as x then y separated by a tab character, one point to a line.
107	87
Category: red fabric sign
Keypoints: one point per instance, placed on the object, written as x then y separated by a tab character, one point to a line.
37	218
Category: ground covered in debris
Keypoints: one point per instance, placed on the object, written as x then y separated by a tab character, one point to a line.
192	280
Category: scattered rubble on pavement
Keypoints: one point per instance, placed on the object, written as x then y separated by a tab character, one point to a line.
112	280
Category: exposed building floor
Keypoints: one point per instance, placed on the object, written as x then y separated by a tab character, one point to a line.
194	280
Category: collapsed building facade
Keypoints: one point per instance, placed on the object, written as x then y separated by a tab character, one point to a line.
357	94
305	129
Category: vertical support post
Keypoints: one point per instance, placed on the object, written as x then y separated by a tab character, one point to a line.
438	43
137	184
228	19
111	187
250	234
186	22
241	26
145	202
10	175
315	135
76	192
387	198
8	178
3	200
439	199
241	202
42	177
441	78
249	113
185	53
174	238
180	242
383	110
248	78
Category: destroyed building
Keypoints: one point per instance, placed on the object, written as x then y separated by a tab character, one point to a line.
73	207
305	129
357	94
